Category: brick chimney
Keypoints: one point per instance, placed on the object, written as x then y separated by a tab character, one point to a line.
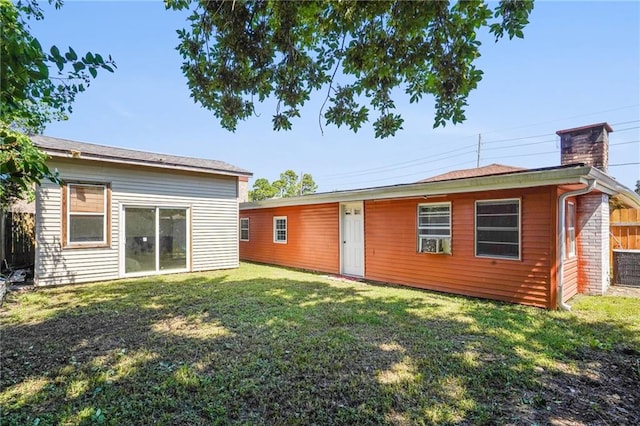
587	144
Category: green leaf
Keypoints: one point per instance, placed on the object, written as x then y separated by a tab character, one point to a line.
55	52
71	55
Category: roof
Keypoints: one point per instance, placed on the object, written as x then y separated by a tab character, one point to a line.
491	169
64	148
606	126
573	174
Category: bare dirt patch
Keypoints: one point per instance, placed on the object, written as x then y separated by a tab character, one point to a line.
624	290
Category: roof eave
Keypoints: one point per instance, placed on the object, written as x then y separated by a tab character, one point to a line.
560	176
612	187
66	154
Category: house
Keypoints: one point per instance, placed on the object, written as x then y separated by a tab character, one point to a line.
529	236
125	213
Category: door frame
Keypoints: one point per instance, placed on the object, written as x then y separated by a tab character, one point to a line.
341	208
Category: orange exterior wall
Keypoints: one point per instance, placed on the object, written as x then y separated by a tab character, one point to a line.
313	236
391	246
391	249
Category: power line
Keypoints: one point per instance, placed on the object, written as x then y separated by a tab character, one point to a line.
422	173
566	118
468	149
418	161
520	144
623	143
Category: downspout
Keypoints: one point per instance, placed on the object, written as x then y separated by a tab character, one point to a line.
561	240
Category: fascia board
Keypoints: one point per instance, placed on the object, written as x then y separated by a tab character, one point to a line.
560	176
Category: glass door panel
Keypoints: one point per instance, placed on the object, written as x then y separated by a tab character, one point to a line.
140	239
173	238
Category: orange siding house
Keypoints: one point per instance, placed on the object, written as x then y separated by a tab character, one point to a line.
535	237
313	236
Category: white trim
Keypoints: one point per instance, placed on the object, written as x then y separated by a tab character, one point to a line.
286	230
475	228
419	238
571	251
248	229
562	175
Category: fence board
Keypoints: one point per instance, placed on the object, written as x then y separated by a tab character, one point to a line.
624	232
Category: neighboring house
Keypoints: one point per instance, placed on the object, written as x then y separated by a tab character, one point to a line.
124	213
535	237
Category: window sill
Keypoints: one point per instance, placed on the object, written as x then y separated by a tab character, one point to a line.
85	246
483	256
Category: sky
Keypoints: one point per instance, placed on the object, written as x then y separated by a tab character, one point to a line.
578	64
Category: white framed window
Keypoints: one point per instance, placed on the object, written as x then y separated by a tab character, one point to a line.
244	229
280	229
571	230
434	228
498	228
85	218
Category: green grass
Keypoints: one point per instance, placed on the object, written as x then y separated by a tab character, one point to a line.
265	345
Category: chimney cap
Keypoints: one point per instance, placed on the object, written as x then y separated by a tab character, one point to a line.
590	126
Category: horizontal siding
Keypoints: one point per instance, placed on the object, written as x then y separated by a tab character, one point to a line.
570	280
391	250
312	240
211	200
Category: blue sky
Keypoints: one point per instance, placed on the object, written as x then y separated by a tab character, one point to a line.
578	64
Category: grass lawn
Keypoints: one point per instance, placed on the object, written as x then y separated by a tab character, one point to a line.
265	345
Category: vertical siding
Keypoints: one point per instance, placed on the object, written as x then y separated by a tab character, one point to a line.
313	237
212	202
391	252
625	229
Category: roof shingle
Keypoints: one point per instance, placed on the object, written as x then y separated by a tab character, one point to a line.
67	149
491	169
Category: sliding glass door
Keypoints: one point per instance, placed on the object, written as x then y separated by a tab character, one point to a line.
156	239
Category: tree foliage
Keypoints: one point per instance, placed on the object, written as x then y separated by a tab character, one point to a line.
288	185
638	187
36	87
239	52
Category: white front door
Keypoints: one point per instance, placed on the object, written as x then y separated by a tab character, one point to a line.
352	239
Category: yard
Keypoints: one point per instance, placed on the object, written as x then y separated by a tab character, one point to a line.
265	345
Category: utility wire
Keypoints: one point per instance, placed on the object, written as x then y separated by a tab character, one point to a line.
471	148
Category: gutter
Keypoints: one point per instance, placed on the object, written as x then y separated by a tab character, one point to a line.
561	233
526	179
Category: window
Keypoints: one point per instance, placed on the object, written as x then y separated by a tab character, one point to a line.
244	229
498	228
280	229
85	214
434	228
571	230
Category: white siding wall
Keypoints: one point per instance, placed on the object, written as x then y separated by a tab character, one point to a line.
213	209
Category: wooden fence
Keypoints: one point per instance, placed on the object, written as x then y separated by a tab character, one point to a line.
624	238
625	229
